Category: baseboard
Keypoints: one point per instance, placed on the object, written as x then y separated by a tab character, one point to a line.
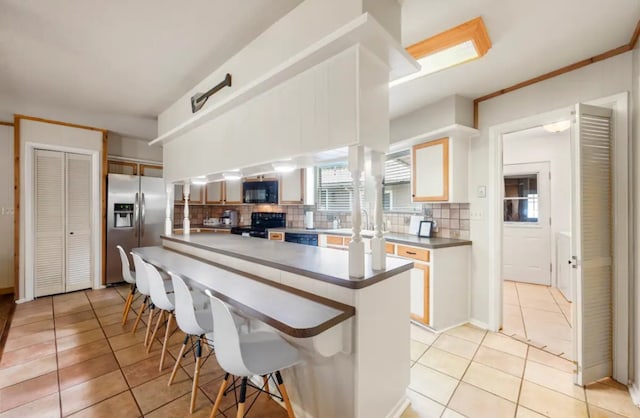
634	391
479	324
6	290
19	301
399	408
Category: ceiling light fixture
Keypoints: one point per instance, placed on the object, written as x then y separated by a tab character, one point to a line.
464	43
232	175
284	166
556	127
200	180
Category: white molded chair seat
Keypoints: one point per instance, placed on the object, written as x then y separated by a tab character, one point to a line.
163	300
142	284
255	353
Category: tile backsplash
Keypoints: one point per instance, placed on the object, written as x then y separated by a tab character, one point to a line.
452	219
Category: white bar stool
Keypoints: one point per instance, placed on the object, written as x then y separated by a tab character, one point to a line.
163	298
260	353
142	283
129	277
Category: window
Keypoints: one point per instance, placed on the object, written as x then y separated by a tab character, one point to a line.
335	188
396	189
521	198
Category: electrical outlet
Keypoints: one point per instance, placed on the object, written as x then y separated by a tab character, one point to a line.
476	214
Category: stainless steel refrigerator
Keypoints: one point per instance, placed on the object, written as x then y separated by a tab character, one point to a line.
135	217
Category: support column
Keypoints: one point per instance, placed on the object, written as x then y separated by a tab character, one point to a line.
356	246
378	247
186	191
168	222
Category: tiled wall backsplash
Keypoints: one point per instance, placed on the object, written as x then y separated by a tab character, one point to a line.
452	219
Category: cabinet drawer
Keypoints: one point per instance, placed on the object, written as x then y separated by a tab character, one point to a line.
347	240
390	248
334	240
421	254
276	236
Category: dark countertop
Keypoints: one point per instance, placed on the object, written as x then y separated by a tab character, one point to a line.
201	226
431	243
326	264
305	315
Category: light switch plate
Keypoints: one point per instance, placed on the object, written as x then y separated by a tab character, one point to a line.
482	191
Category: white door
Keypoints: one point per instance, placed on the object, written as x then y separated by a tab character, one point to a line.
563	261
591	242
526	247
63	250
79	266
49	270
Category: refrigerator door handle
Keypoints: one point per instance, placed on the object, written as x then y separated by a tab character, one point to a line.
135	215
142	216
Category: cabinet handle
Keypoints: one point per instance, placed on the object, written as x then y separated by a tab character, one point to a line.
411	252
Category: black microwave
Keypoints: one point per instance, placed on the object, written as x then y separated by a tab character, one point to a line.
260	191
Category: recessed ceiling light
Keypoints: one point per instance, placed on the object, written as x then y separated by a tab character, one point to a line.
232	175
200	180
556	127
464	43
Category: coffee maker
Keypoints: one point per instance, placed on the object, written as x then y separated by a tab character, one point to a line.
229	217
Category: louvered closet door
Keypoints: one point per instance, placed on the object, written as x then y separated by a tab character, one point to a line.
592	242
79	263
49	223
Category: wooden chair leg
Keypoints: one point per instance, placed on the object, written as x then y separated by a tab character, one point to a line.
177	365
242	399
223	387
142	308
127	307
166	338
155	331
196	376
152	311
265	381
285	395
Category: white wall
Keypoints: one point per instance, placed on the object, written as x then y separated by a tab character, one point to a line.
521	148
62	138
126	125
635	306
601	79
127	147
6	206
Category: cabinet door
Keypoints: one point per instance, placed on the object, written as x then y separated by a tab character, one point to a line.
233	192
213	193
196	195
430	176
420	293
292	187
178	197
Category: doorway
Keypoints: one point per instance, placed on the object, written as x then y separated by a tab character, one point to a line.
601	306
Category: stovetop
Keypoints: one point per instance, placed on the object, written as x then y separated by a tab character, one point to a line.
260	221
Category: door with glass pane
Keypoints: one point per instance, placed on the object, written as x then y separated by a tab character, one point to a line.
526	232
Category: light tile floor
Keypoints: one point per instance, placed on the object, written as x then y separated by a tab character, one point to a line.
538	315
68	355
469	372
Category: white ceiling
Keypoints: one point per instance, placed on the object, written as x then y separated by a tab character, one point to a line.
136	57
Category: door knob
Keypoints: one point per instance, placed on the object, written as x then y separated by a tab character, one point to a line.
70	233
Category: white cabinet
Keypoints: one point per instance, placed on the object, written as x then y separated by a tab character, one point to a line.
292	187
196	195
440	169
233	192
214	193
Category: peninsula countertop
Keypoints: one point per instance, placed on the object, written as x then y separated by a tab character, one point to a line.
399	238
326	264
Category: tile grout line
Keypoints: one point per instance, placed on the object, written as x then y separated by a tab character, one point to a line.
524	324
524	369
55	346
463	374
560	307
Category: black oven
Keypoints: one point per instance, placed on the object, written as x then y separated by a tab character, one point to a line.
260	191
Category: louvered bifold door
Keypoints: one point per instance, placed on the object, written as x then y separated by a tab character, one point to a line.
79	260
592	242
49	223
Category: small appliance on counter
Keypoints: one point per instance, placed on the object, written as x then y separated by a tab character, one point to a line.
211	222
229	217
308	219
260	222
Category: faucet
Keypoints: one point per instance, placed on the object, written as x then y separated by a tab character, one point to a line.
365	224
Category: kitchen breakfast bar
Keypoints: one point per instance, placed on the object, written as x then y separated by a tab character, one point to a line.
353	333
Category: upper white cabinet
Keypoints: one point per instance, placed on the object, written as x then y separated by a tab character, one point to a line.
196	194
439	170
292	187
214	193
233	192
